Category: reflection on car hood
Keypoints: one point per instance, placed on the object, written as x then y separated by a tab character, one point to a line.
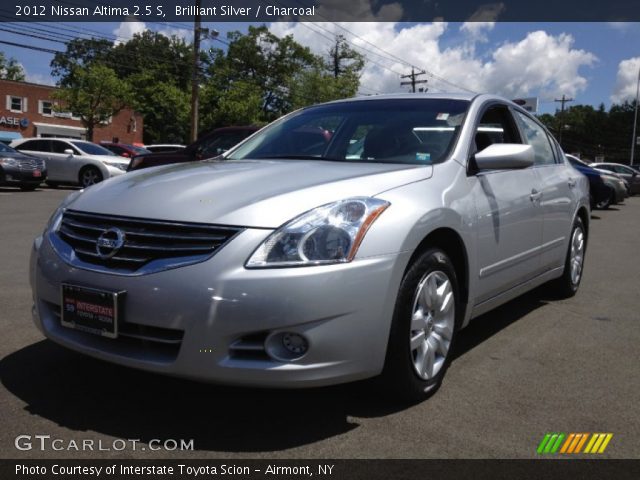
242	192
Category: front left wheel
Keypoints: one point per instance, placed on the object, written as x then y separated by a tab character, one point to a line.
90	176
426	317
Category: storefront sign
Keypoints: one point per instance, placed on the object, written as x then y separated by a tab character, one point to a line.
14	122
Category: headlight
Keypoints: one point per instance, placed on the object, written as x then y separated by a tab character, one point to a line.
54	221
328	234
8	162
118	165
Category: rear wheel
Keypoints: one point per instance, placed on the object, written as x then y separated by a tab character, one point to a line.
90	176
424	324
567	285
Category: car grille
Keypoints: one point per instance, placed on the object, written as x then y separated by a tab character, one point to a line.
143	242
30	164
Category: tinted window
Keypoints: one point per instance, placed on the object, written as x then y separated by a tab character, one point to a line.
417	131
536	136
35	146
5	148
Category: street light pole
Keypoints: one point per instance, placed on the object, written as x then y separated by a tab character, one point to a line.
195	88
635	121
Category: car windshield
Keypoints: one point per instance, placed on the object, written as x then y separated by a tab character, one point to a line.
6	148
411	130
92	149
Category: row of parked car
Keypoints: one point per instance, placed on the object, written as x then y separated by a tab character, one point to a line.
28	162
609	183
57	161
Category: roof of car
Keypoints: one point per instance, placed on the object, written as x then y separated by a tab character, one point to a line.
398	96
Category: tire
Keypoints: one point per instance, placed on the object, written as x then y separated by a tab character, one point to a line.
421	341
89	175
28	187
567	285
607	201
52	184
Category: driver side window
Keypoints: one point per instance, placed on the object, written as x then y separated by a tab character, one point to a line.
495	126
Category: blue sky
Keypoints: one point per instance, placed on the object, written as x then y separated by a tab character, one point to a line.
590	62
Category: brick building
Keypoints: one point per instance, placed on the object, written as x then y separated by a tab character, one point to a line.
26	110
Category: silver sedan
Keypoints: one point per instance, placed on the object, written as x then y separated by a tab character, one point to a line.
344	241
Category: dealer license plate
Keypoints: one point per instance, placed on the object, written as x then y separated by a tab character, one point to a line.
91	310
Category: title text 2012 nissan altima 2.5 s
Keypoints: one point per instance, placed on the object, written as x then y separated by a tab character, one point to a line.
344	241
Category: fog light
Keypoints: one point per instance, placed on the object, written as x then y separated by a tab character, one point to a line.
295	343
286	346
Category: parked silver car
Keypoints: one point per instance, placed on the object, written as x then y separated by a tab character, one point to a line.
296	262
72	161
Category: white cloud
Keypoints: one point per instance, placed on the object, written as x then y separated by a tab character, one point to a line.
538	63
626	80
127	29
476	30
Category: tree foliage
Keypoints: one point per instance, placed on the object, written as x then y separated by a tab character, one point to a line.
95	94
10	69
592	132
257	79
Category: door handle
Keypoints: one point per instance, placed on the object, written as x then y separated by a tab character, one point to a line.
535	195
572	183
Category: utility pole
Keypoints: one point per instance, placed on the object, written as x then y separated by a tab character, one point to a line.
634	139
195	87
562	101
413	82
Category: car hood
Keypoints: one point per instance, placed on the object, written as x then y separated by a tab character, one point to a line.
248	193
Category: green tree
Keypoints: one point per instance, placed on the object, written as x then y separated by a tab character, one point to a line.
95	94
241	104
80	53
10	69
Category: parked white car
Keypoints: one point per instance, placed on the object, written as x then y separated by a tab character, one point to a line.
72	161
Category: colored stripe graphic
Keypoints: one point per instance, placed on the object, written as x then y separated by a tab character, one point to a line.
573	443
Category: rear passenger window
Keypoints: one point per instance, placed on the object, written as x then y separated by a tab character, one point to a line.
35	146
536	137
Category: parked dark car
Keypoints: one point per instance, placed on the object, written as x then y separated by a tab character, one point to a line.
625	171
125	149
210	145
20	170
601	195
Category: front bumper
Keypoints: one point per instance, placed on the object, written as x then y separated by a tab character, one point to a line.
187	319
17	176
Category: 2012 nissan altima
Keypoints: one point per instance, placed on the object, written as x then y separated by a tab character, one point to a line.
344	241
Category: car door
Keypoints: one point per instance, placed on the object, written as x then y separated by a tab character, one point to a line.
67	164
41	148
558	188
509	217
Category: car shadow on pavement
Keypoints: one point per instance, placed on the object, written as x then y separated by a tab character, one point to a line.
84	394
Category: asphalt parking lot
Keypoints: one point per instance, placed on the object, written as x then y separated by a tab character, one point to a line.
533	366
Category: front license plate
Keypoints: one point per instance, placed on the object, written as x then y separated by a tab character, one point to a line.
37	173
91	310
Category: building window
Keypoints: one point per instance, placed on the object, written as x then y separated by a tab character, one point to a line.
46	108
16	104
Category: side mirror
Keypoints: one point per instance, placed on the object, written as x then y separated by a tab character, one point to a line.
68	151
502	156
